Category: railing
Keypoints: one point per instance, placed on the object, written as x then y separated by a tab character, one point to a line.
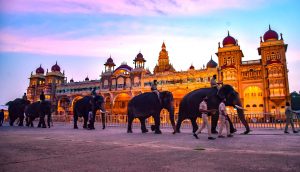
258	120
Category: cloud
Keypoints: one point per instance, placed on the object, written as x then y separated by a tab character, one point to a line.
127	7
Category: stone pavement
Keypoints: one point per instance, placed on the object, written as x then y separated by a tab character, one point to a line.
62	148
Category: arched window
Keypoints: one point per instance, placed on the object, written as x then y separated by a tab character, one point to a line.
261	105
247	106
254	105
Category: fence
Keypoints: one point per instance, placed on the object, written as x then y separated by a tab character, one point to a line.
257	120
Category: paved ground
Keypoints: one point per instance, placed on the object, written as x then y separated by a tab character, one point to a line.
62	148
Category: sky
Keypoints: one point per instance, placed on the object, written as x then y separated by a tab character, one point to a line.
81	35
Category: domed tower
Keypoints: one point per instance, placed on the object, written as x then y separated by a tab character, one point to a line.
109	65
163	61
273	55
211	63
230	58
52	80
36	84
139	61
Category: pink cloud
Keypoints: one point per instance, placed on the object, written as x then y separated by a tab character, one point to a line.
127	7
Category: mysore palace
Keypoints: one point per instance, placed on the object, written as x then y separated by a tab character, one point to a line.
262	83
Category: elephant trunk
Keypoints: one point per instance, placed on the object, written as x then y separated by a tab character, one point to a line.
242	117
171	111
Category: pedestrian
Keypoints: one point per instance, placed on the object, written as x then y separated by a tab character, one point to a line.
289	118
1	117
223	118
205	123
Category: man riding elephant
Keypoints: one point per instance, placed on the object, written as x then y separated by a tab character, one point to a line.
84	106
145	105
16	110
188	108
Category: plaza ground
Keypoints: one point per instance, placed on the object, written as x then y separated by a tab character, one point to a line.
62	148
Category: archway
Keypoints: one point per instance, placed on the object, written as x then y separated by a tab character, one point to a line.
64	104
120	104
253	99
75	100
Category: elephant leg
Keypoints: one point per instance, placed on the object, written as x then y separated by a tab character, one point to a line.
31	122
92	122
232	129
40	123
103	120
143	125
214	123
194	124
178	125
129	127
27	121
75	120
85	119
11	122
43	122
21	121
157	124
245	123
48	120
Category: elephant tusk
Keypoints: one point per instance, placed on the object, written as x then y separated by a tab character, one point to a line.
239	107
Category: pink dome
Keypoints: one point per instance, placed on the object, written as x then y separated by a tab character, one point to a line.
39	70
229	40
55	68
270	35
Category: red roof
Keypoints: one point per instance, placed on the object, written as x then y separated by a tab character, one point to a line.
270	35
39	70
229	40
55	68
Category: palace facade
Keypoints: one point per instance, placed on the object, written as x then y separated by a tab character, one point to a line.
262	83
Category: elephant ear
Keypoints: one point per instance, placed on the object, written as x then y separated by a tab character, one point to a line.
224	91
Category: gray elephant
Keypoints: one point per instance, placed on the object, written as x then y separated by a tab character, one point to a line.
16	110
189	106
39	110
147	104
84	106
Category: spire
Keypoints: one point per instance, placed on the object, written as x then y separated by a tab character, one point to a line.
260	38
281	38
163	45
269	27
228	33
210	57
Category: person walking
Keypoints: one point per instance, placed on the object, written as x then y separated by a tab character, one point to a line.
205	123
223	118
289	118
1	117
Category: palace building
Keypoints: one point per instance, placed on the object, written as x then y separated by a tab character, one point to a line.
262	83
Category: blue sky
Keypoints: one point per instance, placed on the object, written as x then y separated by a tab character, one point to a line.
81	35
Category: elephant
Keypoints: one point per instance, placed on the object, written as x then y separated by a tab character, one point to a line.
189	106
84	106
38	110
147	104
16	110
